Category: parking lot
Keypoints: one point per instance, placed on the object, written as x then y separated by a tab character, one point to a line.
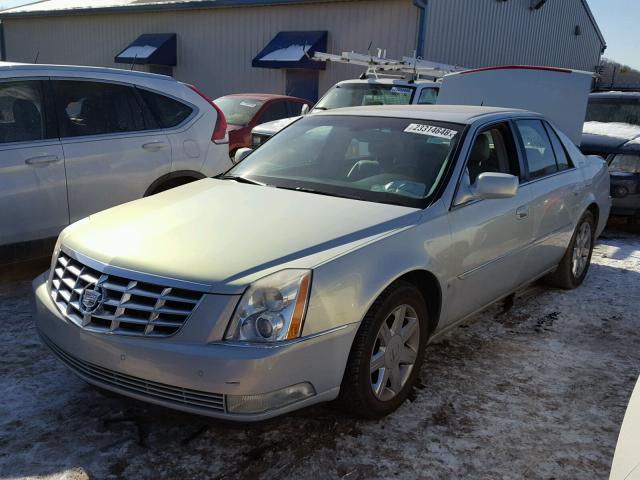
538	391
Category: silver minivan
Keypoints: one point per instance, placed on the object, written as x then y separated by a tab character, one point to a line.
77	140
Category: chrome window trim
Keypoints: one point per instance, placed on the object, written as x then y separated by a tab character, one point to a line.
549	175
26	143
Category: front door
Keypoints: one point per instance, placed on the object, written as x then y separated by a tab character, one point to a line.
111	156
489	237
33	192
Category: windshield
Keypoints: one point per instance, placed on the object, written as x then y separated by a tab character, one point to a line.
359	94
625	164
387	160
238	110
620	110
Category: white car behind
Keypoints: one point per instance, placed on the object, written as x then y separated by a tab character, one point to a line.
77	140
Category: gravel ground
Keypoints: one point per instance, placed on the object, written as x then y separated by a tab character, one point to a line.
537	392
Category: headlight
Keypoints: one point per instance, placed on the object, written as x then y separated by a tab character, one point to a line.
272	309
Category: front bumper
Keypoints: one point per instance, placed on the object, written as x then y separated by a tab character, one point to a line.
192	376
626	206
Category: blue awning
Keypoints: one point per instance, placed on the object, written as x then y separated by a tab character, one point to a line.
151	48
293	50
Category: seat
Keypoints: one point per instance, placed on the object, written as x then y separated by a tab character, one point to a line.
478	158
27	121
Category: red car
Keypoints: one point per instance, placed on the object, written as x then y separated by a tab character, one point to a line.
244	111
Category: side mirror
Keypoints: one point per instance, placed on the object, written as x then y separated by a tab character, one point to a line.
305	109
490	185
241	153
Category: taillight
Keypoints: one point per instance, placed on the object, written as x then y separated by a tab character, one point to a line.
219	134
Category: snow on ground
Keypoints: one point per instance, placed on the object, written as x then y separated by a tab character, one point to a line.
625	131
538	392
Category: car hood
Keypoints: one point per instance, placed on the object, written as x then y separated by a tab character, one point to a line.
271	128
225	234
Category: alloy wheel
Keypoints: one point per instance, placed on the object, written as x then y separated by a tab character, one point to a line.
581	250
394	352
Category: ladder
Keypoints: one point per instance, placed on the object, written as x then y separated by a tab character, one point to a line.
378	65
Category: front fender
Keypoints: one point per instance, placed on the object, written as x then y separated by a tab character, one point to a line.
344	288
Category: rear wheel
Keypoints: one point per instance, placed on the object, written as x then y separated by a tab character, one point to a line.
574	265
173	183
387	353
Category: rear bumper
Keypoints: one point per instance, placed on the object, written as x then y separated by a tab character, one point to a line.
195	378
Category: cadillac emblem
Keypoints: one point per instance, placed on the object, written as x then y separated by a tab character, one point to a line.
91	299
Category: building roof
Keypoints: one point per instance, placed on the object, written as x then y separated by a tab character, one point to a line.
80	7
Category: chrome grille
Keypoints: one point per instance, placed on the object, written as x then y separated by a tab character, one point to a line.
146	388
129	307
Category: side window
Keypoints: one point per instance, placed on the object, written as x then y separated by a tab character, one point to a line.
540	157
562	157
21	112
493	151
167	112
96	108
428	96
294	109
274	111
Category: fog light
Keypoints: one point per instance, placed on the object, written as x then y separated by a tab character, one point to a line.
269	401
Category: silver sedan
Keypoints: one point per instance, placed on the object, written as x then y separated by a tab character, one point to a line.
321	265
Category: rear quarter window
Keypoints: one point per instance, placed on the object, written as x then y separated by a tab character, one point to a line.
167	111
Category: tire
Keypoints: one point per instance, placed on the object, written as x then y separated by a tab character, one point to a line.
581	244
169	184
362	393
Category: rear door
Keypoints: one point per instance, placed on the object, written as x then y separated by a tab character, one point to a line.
556	188
33	195
489	237
112	152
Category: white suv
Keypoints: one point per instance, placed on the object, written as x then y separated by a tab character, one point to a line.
77	140
357	93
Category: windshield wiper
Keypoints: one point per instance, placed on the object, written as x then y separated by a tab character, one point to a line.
320	192
320	108
240	179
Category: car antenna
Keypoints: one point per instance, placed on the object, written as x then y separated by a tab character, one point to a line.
364	74
35	60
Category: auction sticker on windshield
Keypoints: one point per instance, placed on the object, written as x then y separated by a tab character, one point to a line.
431	130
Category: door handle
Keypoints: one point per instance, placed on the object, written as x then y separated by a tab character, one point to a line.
522	212
154	146
42	160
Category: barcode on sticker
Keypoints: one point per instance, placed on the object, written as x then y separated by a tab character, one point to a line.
432	130
401	90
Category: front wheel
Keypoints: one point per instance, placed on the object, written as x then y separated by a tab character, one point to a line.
387	353
573	267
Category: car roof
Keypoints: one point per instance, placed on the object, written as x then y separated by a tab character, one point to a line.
264	96
614	94
390	81
464	114
11	66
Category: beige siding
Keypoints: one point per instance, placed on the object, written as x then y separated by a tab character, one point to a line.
476	33
216	46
